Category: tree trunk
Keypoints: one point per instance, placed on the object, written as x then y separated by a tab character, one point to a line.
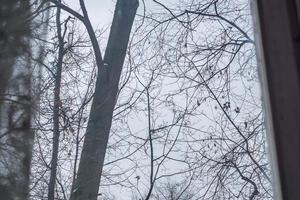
56	109
16	136
89	173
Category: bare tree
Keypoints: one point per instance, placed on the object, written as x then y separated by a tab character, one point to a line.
56	106
71	70
87	182
92	158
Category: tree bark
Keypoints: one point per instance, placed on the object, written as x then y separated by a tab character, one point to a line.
56	109
87	183
16	136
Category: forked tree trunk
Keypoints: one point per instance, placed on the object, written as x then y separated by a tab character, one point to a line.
87	183
16	136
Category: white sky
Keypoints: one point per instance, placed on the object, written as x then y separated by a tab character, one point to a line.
100	11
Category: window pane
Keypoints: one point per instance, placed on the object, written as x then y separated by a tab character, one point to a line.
188	120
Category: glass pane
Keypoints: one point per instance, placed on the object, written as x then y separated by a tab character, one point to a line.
188	121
